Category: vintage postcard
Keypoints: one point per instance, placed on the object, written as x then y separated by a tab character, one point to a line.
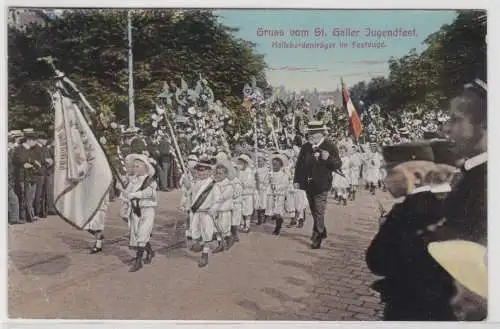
247	164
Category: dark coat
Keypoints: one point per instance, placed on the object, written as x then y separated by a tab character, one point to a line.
315	176
414	287
466	209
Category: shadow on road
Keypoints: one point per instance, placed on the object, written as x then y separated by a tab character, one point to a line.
40	263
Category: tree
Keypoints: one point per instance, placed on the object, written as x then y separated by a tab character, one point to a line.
90	46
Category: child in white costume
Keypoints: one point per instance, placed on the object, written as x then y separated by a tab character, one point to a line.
262	180
186	183
204	197
139	203
355	161
280	183
224	173
236	216
247	178
372	163
340	182
96	224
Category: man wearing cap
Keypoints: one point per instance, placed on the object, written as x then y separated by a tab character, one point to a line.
317	160
414	287
13	200
25	170
42	156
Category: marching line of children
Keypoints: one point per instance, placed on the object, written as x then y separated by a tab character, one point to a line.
220	196
358	165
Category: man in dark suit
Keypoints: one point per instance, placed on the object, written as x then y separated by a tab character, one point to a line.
466	206
317	159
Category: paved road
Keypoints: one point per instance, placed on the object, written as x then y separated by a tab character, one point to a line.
51	274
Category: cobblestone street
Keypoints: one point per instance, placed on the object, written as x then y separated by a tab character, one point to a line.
52	275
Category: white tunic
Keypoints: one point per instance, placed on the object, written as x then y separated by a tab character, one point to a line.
224	206
278	189
372	163
247	178
97	222
339	181
263	179
140	227
355	162
202	221
237	191
382	170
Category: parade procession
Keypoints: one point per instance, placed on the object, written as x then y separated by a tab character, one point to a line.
245	175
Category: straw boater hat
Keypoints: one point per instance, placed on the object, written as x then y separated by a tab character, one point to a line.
231	172
316	127
29	133
465	261
246	159
192	157
280	157
143	158
206	163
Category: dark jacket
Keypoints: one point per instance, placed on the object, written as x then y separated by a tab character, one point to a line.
315	176
415	287
466	209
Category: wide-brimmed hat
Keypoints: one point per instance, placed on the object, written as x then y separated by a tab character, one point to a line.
399	153
131	131
245	158
316	126
29	133
205	163
404	131
221	156
280	157
231	172
192	157
16	133
465	261
141	157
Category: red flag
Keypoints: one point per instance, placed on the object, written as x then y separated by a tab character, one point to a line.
356	125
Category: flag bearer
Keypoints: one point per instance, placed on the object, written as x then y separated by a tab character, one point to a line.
140	199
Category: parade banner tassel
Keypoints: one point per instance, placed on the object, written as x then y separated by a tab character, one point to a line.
357	128
82	175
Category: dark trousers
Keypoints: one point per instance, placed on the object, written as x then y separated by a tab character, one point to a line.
26	195
41	196
13	210
50	195
317	204
165	172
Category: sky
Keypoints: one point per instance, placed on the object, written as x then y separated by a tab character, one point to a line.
307	68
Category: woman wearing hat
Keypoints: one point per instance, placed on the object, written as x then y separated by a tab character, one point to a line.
139	203
247	178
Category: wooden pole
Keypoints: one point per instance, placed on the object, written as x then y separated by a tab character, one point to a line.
131	107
